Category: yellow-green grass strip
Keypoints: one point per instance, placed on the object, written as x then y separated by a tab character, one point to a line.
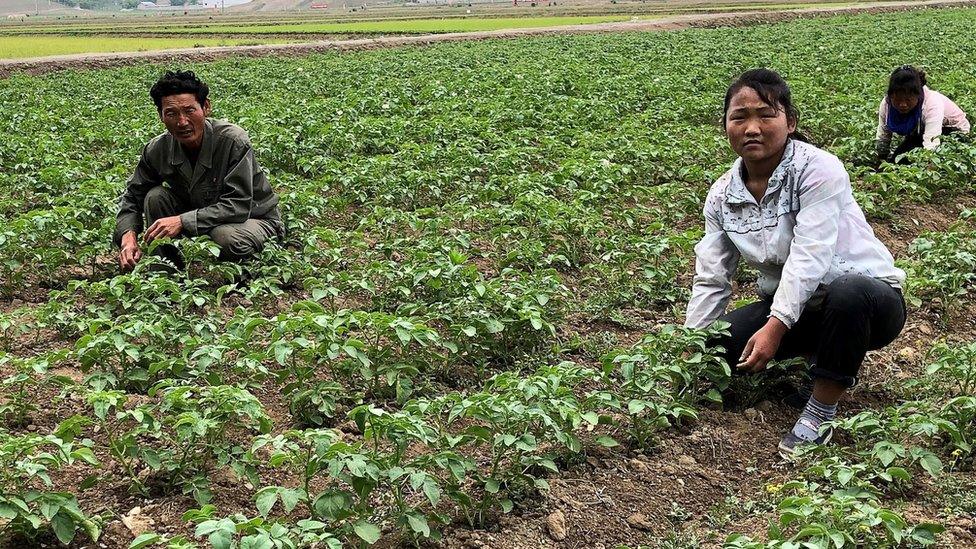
402	26
19	47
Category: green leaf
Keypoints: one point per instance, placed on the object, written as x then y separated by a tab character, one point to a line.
811	531
145	540
88	482
64	528
548	464
494	326
265	499
931	464
844	476
50	508
418	523
319	293
8	511
899	473
332	505
221	539
370	533
290	498
152	459
925	533
432	492
91	528
606	442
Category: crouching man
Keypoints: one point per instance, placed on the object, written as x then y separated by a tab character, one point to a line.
200	177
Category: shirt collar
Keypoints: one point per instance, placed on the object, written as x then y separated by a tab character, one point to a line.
737	193
177	156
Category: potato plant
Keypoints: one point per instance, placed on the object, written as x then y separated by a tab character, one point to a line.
810	515
484	267
30	506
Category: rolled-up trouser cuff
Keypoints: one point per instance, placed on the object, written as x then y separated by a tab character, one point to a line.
817	372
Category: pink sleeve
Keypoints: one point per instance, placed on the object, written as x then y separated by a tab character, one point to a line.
933	111
955	117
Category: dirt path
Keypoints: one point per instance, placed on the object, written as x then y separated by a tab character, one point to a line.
42	65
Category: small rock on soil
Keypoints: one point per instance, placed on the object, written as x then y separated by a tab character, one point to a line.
556	524
639	521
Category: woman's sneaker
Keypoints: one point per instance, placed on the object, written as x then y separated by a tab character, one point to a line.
790	442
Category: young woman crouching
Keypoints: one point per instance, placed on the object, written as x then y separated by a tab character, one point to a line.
828	287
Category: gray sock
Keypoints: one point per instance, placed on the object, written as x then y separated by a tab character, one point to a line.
814	414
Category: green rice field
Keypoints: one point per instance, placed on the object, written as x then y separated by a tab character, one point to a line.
130	38
408	26
19	47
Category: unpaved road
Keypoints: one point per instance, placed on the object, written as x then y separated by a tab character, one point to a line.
40	65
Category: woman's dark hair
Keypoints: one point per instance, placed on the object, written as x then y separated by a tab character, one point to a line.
176	83
769	86
907	80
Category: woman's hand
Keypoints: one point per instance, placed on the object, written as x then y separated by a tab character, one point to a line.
762	346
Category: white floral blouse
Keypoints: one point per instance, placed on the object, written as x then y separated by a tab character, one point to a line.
805	232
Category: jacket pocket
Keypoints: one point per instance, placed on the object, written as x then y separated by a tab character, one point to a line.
210	190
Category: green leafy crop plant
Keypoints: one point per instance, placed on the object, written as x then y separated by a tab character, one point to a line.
661	380
811	515
29	506
460	217
181	437
943	266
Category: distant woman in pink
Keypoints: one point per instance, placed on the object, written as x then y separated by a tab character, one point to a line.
915	112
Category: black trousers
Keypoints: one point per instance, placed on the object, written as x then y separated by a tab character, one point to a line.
914	141
857	315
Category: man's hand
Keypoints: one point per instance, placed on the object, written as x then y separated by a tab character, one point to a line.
164	227
762	346
129	254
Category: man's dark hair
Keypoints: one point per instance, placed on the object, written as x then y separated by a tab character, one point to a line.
907	80
769	86
176	83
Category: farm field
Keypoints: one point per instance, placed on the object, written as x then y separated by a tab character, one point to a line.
18	47
469	337
95	33
403	26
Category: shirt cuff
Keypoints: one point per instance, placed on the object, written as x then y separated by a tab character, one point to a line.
189	222
783	318
121	228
